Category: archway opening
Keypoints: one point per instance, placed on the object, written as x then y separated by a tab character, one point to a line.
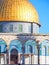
31	51
14	56
15	51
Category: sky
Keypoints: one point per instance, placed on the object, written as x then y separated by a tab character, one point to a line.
42	7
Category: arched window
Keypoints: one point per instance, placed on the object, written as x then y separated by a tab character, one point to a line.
44	48
20	29
30	47
11	28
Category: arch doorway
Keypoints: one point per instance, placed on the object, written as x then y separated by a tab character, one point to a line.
14	56
14	52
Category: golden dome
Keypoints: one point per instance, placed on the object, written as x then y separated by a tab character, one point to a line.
18	10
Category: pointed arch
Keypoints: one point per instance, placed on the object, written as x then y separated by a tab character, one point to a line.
44	48
16	44
31	47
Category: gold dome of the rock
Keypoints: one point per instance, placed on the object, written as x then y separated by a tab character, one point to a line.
18	10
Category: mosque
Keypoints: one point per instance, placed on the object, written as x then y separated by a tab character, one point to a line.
20	40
